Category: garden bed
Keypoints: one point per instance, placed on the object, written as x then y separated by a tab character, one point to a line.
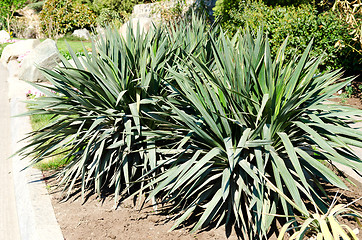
220	147
98	219
352	102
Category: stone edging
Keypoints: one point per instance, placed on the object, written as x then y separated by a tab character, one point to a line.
35	212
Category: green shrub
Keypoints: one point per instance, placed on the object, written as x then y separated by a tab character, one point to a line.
351	13
110	10
98	120
36	6
287	2
301	25
7	11
107	16
59	17
329	225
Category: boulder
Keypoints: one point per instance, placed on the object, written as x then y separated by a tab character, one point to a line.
4	36
45	55
13	51
150	10
13	68
157	9
144	24
100	31
81	33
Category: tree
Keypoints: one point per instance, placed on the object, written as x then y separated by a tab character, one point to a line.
62	16
7	10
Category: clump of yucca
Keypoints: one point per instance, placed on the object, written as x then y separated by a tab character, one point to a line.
216	126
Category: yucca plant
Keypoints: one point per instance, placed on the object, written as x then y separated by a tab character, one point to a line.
104	107
323	225
253	129
214	126
97	106
194	39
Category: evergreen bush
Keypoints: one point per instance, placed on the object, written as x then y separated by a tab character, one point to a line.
59	17
300	24
113	10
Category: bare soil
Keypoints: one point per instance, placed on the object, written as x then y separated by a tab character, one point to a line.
98	219
356	99
352	102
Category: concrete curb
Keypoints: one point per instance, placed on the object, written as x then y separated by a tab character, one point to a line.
35	212
9	226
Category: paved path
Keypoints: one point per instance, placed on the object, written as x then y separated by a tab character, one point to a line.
9	227
26	212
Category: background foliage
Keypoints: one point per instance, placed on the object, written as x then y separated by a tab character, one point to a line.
7	10
300	24
351	13
63	16
36	5
113	10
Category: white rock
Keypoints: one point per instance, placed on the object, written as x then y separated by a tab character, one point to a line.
45	55
13	51
4	36
144	24
81	33
100	31
13	68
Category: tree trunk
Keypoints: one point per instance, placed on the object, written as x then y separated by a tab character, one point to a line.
8	24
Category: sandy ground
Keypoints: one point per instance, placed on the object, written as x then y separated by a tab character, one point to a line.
98	219
353	102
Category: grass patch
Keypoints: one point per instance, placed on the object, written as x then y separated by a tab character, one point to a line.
77	46
75	43
39	121
51	163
